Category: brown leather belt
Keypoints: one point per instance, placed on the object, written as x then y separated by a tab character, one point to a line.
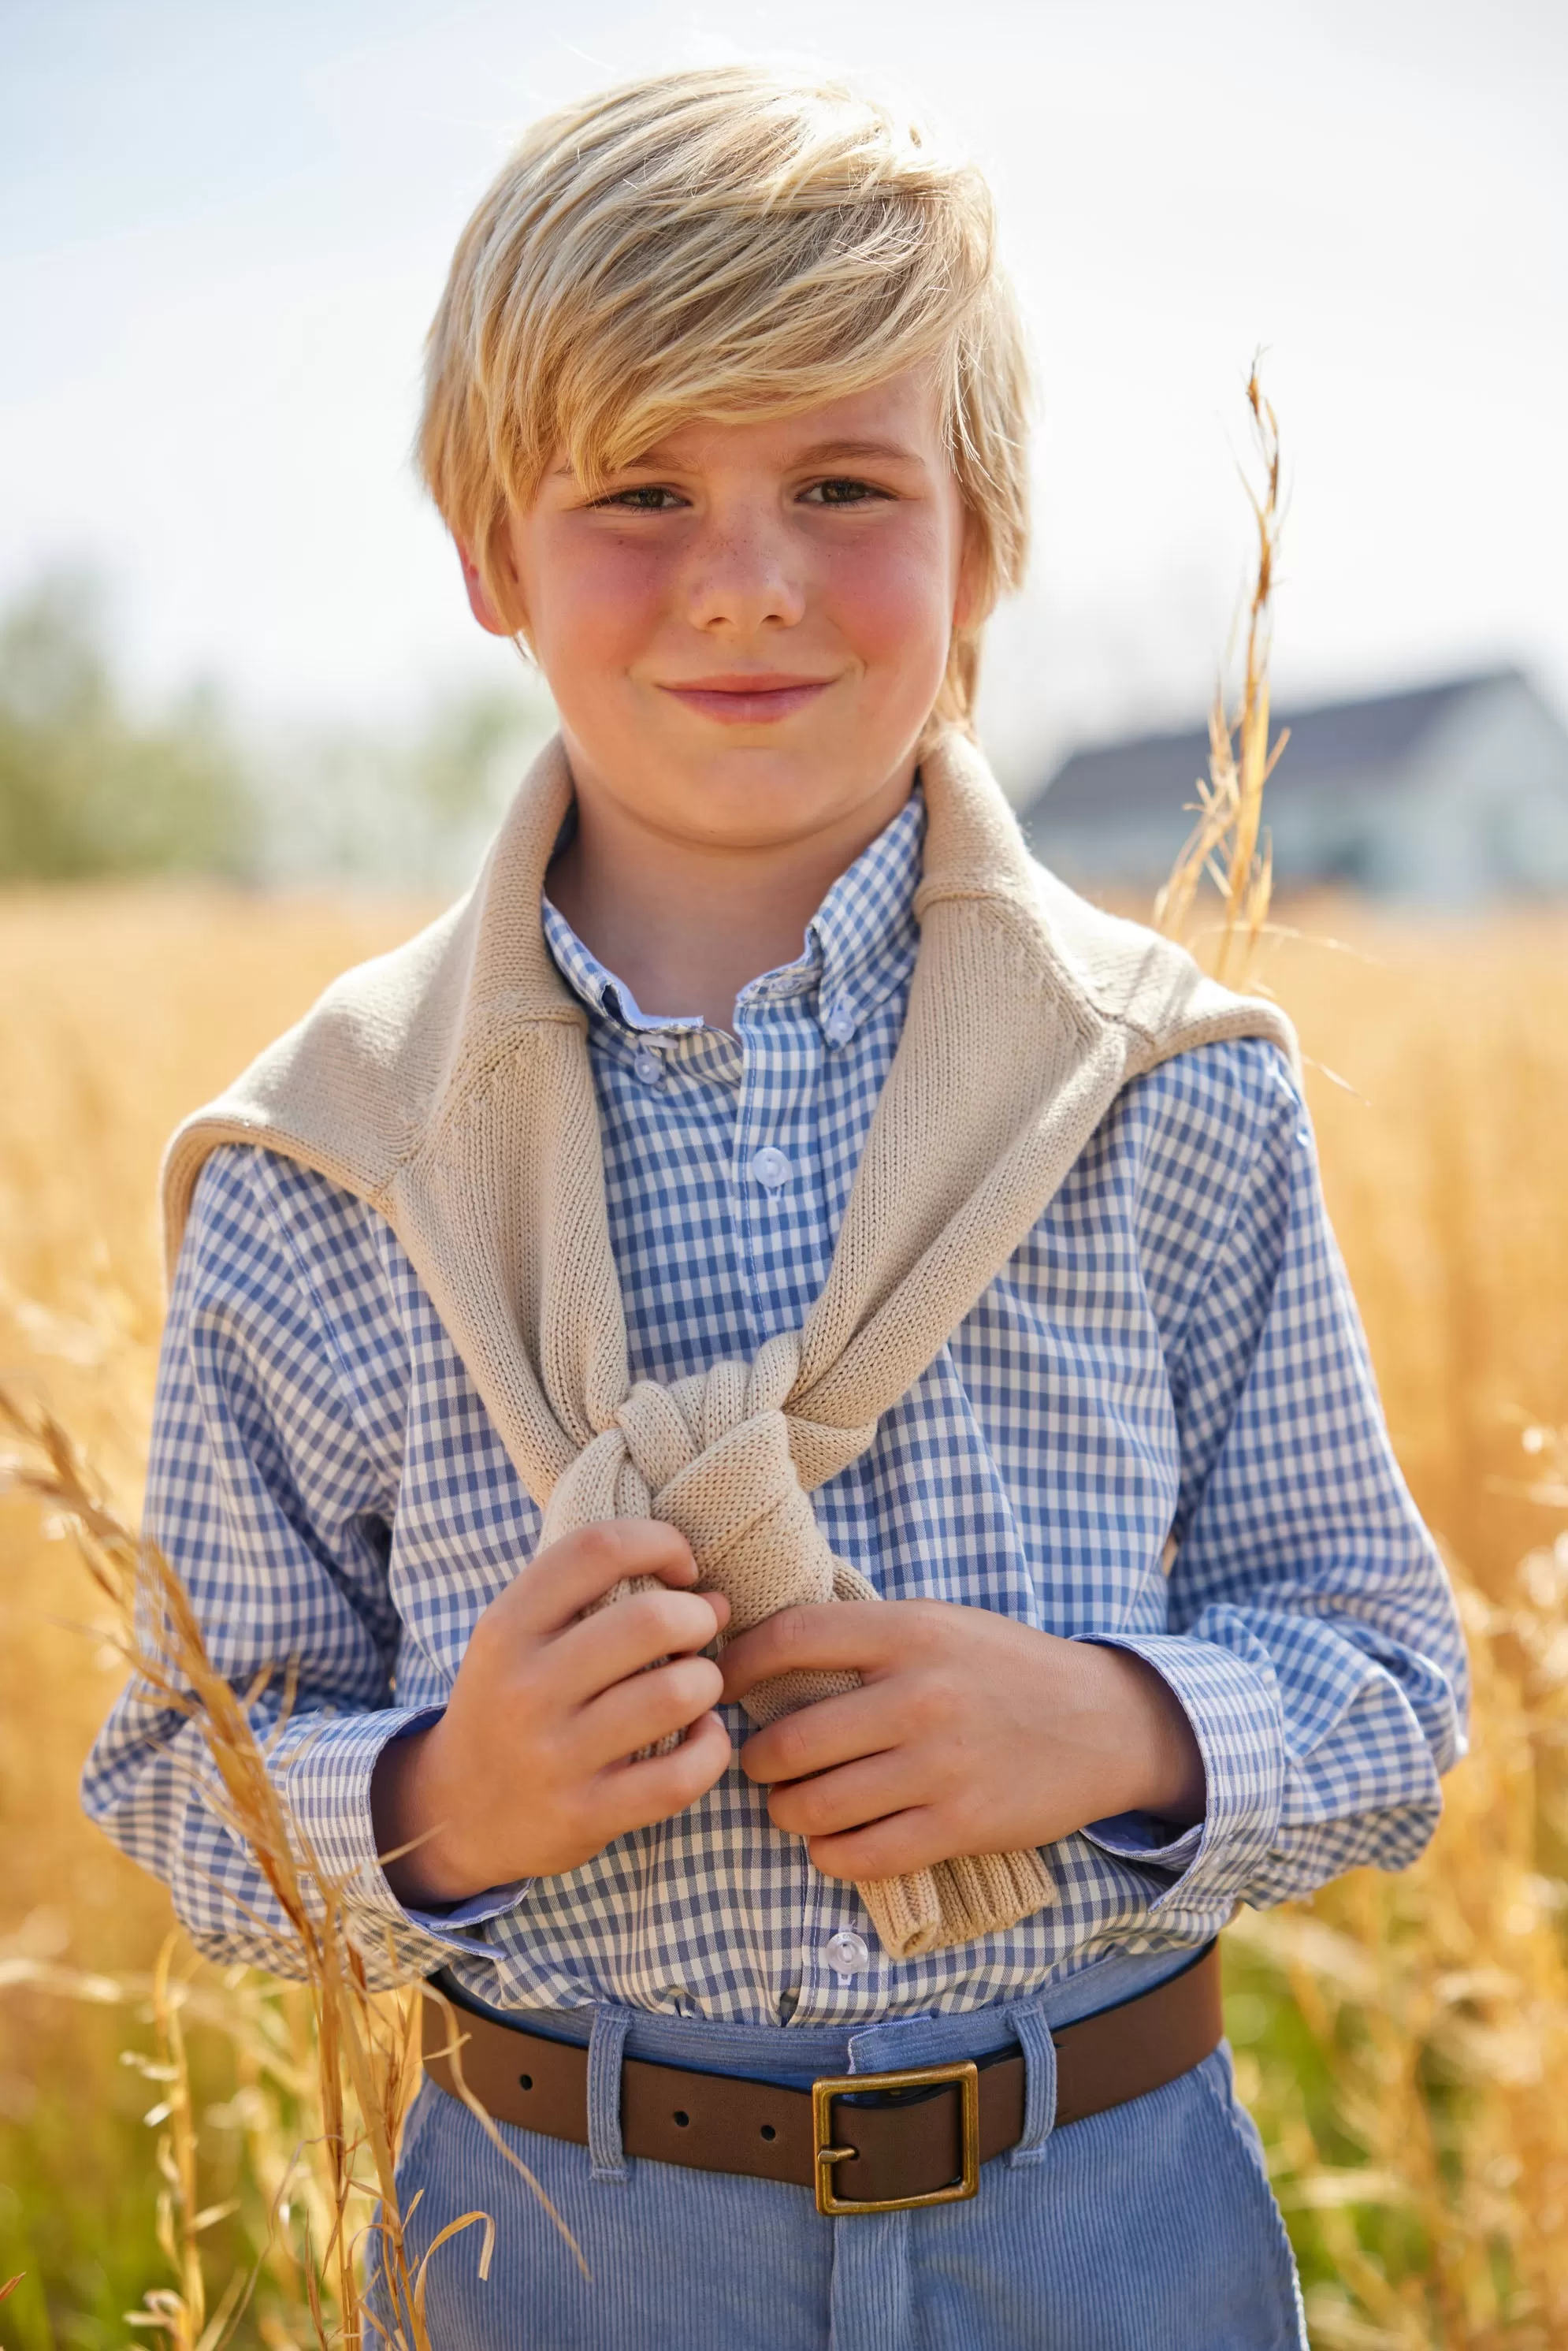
864	2142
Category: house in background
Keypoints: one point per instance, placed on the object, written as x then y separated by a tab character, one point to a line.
1447	796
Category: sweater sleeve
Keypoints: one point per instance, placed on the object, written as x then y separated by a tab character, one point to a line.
271	1494
1313	1637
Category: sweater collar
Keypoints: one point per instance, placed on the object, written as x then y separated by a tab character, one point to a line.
973	850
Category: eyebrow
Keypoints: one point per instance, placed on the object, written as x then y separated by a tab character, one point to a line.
821	452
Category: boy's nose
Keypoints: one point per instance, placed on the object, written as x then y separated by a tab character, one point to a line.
743	580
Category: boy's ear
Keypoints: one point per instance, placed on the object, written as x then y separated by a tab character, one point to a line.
971	567
480	602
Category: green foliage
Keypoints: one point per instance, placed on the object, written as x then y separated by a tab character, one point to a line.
413	811
451	770
79	2183
89	787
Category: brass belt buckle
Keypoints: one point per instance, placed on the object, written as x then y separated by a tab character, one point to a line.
823	2092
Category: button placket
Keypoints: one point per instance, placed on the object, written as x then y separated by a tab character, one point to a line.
781	1215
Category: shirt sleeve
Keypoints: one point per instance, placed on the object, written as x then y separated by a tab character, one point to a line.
1313	1637
272	1497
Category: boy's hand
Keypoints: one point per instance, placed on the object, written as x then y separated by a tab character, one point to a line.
970	1733
527	1774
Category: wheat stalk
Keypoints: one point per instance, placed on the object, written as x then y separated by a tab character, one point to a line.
366	2043
1228	845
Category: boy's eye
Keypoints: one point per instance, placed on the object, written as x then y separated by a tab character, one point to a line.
647	497
841	490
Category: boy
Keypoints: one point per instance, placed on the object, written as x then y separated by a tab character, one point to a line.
783	1381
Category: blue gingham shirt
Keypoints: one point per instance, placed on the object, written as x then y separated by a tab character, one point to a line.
1158	1428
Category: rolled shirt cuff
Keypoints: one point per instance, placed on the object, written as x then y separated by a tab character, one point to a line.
325	1782
1140	1837
1232	1702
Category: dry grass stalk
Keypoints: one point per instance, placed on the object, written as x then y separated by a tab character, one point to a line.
180	2312
1432	2184
366	2042
1228	845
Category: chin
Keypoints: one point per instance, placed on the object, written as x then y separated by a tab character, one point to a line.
753	795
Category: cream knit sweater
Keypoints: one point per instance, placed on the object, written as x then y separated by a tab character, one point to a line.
448	1084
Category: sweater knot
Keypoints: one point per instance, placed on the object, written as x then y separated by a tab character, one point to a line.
719	1455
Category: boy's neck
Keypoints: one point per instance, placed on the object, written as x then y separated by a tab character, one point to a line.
686	924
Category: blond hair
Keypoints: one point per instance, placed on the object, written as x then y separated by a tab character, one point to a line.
730	242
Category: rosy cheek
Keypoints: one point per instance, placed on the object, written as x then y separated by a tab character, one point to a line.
599	598
888	591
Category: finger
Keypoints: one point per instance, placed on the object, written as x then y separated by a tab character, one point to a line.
833	1636
613	1643
832	1731
644	1708
893	1847
566	1577
632	1795
848	1799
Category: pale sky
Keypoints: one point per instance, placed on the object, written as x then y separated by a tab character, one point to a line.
223	227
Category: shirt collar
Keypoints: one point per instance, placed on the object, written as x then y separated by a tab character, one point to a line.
598	988
860	944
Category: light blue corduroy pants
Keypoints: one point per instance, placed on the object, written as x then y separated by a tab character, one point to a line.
1149	2228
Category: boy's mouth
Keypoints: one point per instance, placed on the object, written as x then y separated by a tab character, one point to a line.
748	699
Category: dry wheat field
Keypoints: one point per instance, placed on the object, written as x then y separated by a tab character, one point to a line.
1404	2042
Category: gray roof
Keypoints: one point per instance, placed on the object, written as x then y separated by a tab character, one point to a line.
1335	744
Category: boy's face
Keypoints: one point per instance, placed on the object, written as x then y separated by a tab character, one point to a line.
745	631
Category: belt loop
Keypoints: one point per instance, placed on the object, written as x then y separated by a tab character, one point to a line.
1033	2037
606	2040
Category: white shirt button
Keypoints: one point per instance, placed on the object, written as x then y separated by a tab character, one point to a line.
847	1953
839	1026
649	1066
770	1168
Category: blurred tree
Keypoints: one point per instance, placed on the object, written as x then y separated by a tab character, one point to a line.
87	787
452	769
411	810
90	787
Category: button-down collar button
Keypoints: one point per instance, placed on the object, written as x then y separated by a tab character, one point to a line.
649	1065
847	1953
839	1026
770	1168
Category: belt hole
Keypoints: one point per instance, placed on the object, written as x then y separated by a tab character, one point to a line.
682	2118
526	2080
768	2131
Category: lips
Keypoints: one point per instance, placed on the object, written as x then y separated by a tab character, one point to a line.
759	699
